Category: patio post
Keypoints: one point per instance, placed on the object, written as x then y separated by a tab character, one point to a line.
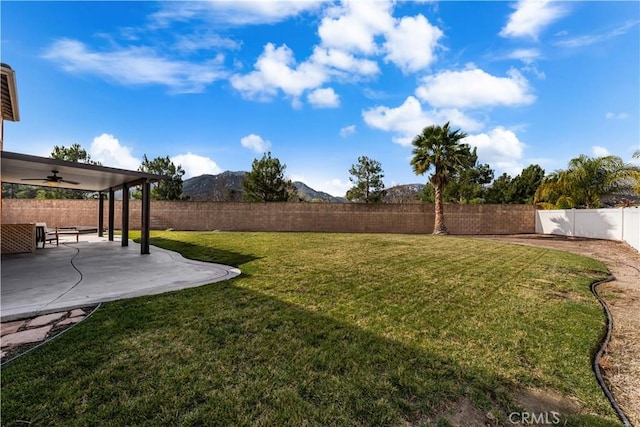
100	214
146	217
112	208
125	215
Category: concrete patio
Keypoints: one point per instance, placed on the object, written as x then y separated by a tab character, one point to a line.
95	270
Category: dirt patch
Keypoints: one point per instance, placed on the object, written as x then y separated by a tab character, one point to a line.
621	359
461	413
544	401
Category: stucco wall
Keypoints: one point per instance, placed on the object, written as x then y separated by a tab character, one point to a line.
321	217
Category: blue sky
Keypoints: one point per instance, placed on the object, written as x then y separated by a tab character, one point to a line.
215	84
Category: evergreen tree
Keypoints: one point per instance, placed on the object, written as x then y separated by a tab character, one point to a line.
169	189
266	182
501	191
74	153
526	184
467	185
367	179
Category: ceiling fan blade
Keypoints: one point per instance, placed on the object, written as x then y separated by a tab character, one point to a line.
33	179
69	182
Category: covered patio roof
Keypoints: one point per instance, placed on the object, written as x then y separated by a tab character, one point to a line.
17	167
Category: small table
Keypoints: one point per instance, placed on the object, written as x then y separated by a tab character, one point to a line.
69	232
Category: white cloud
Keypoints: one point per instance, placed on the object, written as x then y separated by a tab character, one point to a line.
475	88
458	119
409	119
353	26
531	17
276	70
599	151
618	116
195	165
334	186
591	39
344	61
107	150
500	148
351	35
204	41
347	131
528	56
135	66
324	98
411	43
405	121
232	12
255	142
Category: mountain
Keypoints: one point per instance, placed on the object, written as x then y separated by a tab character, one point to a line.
310	195
407	193
227	187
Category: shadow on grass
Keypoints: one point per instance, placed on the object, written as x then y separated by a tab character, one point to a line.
225	355
203	252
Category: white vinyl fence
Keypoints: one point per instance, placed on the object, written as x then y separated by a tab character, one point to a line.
610	224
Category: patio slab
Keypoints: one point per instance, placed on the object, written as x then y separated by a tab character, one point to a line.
95	270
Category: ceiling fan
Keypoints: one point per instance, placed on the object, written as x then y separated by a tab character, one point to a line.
52	179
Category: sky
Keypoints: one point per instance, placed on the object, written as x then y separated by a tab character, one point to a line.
214	85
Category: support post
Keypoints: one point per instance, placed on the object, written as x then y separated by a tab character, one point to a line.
125	215
146	218
100	214
112	208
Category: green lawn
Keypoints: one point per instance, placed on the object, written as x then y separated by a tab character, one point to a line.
326	329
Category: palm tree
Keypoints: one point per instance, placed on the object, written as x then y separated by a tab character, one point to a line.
586	181
438	148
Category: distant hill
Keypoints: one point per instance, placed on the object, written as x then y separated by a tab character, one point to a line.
227	186
309	194
407	193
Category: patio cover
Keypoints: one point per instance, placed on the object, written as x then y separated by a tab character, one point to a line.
16	167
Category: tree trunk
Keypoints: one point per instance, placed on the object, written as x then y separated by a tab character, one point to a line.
439	226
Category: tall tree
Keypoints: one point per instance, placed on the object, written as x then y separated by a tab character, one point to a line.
586	181
438	148
501	190
518	190
467	185
367	179
266	182
74	153
169	189
526	184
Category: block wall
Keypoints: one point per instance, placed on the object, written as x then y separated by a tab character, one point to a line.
314	217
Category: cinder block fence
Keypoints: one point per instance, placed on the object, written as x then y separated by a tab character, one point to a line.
313	217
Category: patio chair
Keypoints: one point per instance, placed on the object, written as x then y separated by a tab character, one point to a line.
44	235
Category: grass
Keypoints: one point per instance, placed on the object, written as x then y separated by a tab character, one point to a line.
326	329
